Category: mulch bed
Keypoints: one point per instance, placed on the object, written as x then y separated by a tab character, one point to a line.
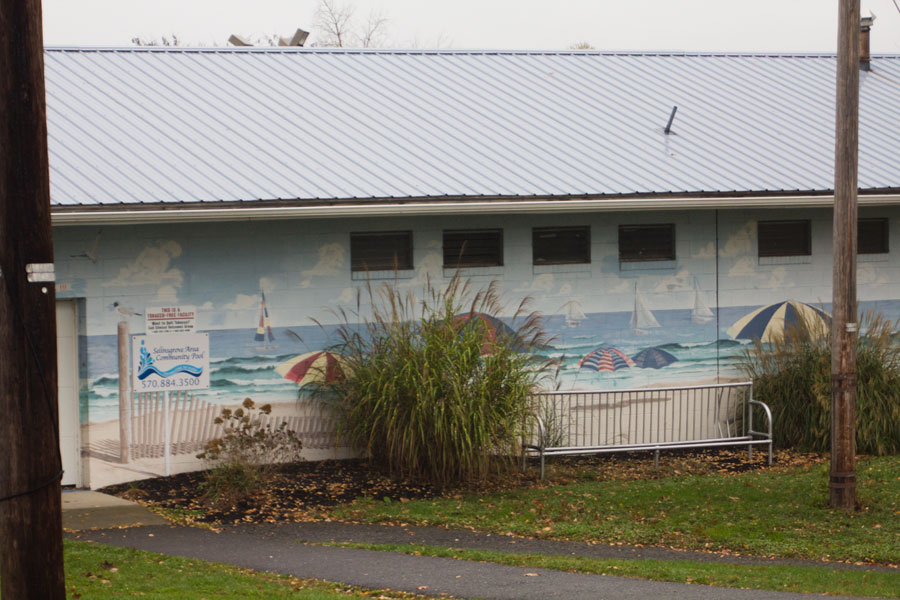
302	491
296	491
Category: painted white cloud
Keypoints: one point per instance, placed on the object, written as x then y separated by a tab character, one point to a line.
151	267
708	252
623	286
777	278
541	283
266	284
347	297
206	306
741	243
867	273
679	282
745	267
167	294
243	302
331	259
430	268
565	289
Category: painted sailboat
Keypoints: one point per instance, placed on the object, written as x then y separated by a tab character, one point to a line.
641	318
264	329
574	314
700	313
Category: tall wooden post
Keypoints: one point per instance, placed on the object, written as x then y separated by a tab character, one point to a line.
31	561
124	394
842	483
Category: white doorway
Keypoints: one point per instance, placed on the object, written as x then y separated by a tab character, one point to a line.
67	365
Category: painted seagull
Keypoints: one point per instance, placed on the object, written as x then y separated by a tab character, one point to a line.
124	311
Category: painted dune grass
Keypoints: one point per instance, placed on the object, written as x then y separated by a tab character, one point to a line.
778	512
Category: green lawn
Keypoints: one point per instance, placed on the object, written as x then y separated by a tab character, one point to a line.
773	512
105	572
783	578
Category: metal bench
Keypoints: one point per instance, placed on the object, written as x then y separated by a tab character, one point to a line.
645	419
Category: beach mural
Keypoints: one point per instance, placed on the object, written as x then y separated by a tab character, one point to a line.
268	300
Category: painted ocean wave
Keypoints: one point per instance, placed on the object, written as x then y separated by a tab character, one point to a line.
232	370
106	379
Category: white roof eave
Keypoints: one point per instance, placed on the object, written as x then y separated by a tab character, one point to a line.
129	215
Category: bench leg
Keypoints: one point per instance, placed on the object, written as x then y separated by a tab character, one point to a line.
542	464
656	458
749	451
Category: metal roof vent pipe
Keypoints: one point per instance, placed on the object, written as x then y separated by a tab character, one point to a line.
865	25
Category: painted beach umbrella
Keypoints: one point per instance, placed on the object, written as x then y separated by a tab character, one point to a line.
313	368
605	359
769	323
493	327
653	358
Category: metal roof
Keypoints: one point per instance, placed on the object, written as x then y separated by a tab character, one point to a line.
155	126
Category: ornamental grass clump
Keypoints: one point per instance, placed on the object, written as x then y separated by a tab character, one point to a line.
247	454
793	376
437	388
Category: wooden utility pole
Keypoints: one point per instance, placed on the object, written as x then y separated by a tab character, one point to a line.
31	561
842	483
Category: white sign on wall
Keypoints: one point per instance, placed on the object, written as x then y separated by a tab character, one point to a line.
170	319
170	362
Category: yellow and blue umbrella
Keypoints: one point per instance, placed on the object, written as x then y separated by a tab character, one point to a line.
769	323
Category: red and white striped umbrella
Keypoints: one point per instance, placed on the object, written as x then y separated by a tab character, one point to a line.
319	368
606	359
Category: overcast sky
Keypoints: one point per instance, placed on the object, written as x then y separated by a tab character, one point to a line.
691	25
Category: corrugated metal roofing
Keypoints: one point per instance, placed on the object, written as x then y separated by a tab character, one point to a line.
209	125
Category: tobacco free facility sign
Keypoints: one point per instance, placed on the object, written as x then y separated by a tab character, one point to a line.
170	362
170	319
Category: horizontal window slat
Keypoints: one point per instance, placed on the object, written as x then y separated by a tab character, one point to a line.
473	248
560	245
784	238
872	236
646	242
381	251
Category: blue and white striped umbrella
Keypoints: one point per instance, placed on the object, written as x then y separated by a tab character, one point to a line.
769	323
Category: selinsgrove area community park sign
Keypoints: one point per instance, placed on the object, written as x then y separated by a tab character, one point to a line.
170	362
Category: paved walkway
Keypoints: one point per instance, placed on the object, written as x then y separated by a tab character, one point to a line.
84	509
285	549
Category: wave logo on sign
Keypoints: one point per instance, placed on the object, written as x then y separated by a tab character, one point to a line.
147	368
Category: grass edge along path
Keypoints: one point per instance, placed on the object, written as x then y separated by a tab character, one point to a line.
778	512
779	578
102	572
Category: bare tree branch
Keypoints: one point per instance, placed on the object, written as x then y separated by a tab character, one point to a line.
373	33
334	22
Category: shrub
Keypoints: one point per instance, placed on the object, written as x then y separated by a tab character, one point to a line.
431	394
793	376
245	457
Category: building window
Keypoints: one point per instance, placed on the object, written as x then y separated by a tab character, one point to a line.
560	245
638	243
784	238
872	236
473	248
381	251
